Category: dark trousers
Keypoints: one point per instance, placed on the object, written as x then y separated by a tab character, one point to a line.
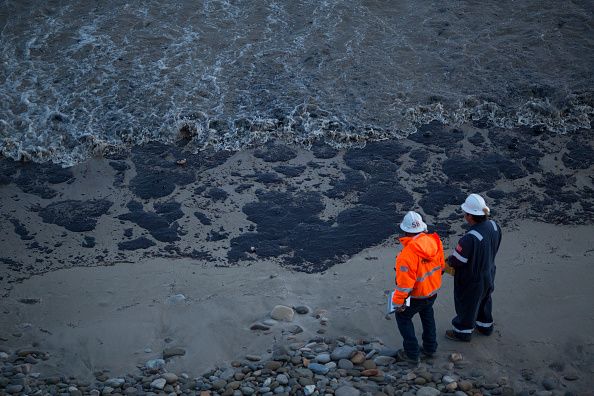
473	309
424	307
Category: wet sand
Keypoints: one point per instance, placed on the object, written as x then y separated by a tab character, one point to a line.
93	255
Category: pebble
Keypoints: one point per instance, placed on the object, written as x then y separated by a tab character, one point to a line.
273	365
465	385
155	364
270	322
115	382
14	388
455	357
383	360
323	358
347	391
282	313
302	310
259	326
343	352
318	368
427	391
345	364
253	358
358	357
309	390
452	386
171	378
159	383
282	379
247	390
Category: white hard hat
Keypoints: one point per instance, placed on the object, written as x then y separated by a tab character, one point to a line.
413	223
475	205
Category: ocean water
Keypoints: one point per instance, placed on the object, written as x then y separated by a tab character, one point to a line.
81	77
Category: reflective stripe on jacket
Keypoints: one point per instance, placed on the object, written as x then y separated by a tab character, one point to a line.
418	267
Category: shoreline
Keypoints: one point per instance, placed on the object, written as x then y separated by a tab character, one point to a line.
282	225
78	307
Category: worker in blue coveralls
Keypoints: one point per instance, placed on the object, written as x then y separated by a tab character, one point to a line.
473	261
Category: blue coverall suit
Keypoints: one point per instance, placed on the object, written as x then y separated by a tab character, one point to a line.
474	279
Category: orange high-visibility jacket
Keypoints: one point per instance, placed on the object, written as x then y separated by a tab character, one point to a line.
418	267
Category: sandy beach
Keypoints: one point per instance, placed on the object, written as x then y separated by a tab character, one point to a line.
112	262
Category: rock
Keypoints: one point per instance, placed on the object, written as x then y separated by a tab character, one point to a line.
171	352
346	391
296	329
246	390
253	358
420	381
130	390
115	382
318	368
383	360
302	310
159	383
226	375
550	383
370	373
14	389
3	355
282	313
459	393
455	357
465	385
303	372
171	378
448	379
273	365
358	357
108	390
155	364
427	391
345	364
259	326
219	384
323	358
270	322
369	364
409	376
309	390
282	379
343	352
73	391
452	386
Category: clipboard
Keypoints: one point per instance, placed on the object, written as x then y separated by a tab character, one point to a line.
391	307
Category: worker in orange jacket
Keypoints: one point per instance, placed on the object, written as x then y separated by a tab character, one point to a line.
418	275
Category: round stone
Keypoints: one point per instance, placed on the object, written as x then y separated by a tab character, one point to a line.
282	379
358	358
171	378
323	358
302	310
428	391
345	364
347	391
282	313
159	383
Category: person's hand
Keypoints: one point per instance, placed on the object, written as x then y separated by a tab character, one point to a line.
401	308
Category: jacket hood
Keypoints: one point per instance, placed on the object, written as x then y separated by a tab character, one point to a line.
424	245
